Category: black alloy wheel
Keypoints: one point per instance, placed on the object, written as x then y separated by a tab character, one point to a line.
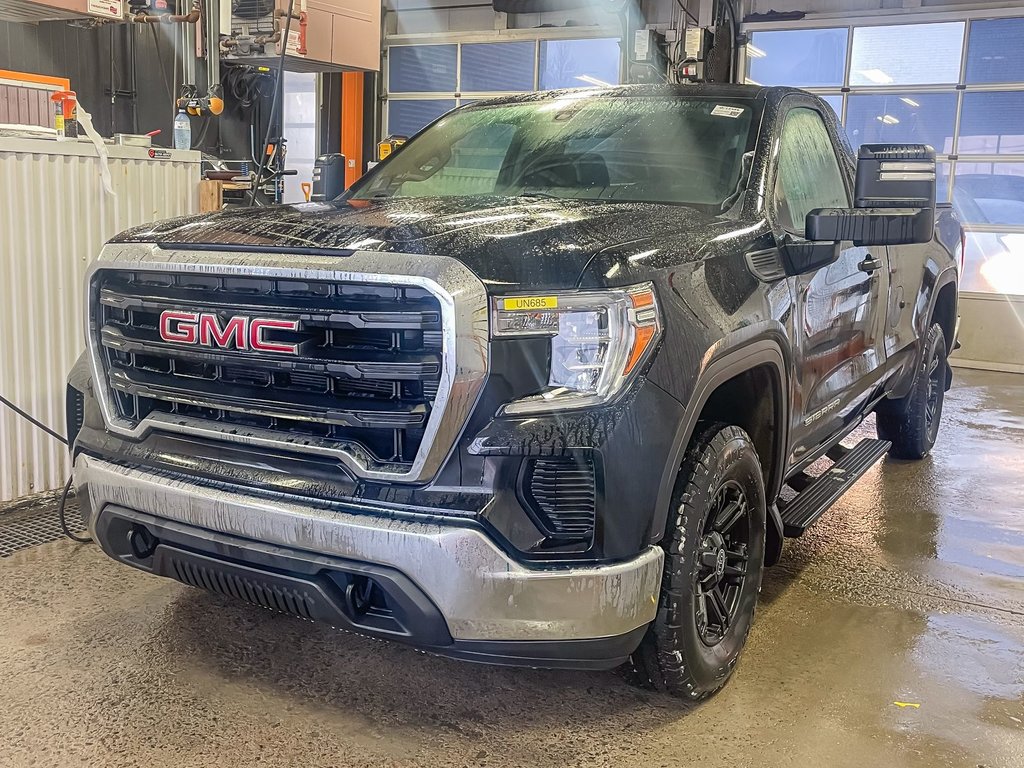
911	423
714	552
722	571
935	390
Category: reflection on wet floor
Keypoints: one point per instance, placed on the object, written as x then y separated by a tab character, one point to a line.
892	634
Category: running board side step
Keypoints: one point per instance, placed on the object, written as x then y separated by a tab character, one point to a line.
812	502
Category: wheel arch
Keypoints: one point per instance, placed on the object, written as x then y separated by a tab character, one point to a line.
765	357
944	308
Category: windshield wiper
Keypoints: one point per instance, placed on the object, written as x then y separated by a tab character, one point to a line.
539	194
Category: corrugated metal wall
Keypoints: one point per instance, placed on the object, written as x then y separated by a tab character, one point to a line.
53	220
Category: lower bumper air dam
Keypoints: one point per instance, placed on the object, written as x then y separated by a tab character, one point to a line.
447	589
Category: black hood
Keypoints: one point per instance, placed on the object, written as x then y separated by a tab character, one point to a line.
510	243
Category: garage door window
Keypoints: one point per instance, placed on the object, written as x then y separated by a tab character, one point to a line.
995	51
992	123
407	117
990	193
801	57
425	81
836	102
907	54
498	67
578	63
422	68
993	262
903	117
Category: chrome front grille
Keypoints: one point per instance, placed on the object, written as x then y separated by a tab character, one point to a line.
364	376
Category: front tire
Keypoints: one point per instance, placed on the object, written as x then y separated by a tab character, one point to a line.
912	422
714	553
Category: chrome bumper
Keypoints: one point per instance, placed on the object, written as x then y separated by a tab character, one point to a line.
480	591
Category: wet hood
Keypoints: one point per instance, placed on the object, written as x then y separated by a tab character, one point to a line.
510	243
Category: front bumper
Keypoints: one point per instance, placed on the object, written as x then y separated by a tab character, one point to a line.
452	588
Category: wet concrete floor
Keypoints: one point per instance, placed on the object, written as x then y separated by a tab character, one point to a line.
910	590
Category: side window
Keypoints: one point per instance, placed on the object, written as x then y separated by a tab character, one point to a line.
808	174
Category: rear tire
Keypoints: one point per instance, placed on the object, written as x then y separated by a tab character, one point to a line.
912	422
714	552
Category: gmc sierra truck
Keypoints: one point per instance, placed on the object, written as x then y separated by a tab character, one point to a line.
542	388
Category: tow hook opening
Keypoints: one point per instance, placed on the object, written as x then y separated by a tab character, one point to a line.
142	542
363	596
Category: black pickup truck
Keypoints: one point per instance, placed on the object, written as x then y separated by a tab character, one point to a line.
531	391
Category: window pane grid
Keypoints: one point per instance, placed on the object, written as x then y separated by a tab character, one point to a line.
416	75
907	54
423	69
497	67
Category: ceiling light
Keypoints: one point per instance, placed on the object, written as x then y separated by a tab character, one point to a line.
876	76
887	119
909	102
754	52
593	81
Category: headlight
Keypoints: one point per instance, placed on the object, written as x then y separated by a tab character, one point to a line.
598	340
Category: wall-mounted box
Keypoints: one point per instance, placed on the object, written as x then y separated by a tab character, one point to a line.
33	11
335	35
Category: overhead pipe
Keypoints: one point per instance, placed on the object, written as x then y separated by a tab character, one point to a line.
279	13
264	39
213	48
191	17
188	32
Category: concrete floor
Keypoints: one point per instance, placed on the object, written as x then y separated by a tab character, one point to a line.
911	590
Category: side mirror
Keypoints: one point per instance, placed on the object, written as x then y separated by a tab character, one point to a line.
894	199
872	226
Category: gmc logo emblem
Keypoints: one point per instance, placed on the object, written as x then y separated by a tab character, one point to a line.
240	332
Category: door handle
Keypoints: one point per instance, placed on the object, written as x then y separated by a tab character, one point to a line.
870	264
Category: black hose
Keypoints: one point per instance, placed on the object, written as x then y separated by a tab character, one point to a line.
62	519
681	6
733	50
160	58
46	429
278	93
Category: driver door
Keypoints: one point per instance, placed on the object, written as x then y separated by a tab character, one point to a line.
838	320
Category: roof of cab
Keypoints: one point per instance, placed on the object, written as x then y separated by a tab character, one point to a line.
698	90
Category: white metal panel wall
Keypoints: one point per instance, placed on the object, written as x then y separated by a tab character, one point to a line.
54	216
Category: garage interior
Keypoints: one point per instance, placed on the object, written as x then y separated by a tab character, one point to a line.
890	633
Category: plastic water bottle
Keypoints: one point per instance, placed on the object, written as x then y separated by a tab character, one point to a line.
182	131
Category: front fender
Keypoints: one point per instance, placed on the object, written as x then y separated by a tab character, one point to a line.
769	348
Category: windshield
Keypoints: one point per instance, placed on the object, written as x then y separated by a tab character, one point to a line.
581	147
